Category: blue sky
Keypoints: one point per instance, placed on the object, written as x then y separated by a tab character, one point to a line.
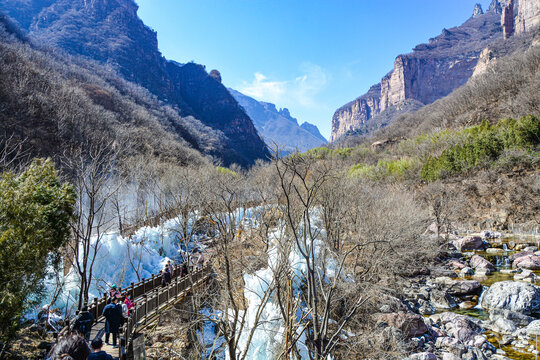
309	56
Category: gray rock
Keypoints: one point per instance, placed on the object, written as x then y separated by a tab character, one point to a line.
504	326
533	329
469	243
466	271
479	263
442	300
512	295
449	356
516	317
462	288
423	356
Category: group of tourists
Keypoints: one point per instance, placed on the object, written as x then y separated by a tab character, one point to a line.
116	312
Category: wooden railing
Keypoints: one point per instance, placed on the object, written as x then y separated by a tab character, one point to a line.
150	298
153	303
135	290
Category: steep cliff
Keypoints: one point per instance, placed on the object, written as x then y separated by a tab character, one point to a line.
430	72
110	32
528	16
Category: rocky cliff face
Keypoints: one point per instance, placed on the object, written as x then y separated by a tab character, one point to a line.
430	72
528	16
109	31
278	126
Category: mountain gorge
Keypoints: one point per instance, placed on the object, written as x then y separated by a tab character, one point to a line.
111	33
278	127
434	69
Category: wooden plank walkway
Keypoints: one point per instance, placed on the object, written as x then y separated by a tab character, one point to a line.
150	304
98	331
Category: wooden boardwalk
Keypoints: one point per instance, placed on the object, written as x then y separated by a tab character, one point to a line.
151	301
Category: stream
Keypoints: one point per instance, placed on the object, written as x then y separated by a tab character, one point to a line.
498	254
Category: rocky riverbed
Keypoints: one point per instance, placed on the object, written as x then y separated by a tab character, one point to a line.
480	301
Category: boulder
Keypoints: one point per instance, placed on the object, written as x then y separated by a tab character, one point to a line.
530	262
469	243
533	329
504	326
442	299
423	356
410	324
466	271
478	263
513	257
457	264
516	317
514	296
449	356
524	275
467	287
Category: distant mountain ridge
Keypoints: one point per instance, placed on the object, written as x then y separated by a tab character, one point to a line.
432	71
278	126
109	31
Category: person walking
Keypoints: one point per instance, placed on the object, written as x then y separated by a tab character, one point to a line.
165	277
130	304
113	320
172	268
183	270
97	353
114	292
125	309
83	323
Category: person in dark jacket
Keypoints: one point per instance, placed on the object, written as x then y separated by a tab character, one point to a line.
97	353
83	323
165	277
113	319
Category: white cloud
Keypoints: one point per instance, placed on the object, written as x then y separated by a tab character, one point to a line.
300	91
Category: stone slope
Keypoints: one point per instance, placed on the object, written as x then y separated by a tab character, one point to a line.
278	126
432	71
110	31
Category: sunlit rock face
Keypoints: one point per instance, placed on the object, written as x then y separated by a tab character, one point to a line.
432	71
528	16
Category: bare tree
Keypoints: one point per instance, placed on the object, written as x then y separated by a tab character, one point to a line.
92	172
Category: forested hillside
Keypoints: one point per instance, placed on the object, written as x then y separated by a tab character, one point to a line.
111	33
55	102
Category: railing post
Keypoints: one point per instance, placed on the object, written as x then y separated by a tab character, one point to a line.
96	315
145	308
153	282
132	292
143	286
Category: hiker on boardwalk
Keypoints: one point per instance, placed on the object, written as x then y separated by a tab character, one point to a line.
130	304
183	270
172	268
114	292
72	347
113	319
200	260
125	309
165	277
97	353
83	323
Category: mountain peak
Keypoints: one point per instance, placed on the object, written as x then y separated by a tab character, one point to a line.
477	10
